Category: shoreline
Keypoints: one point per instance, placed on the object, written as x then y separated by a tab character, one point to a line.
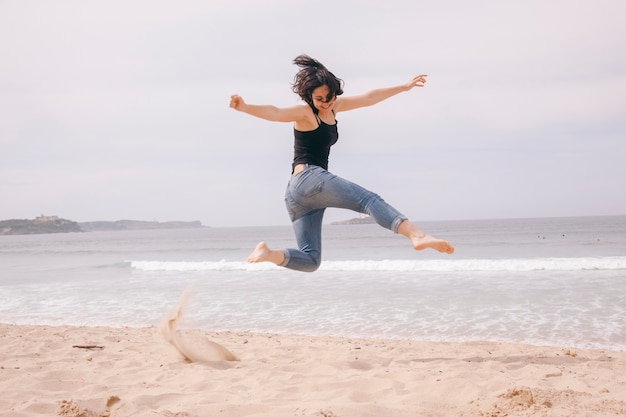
191	325
119	371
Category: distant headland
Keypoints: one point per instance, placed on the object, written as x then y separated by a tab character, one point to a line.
356	220
55	224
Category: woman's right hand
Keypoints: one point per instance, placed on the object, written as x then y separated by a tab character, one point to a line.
236	102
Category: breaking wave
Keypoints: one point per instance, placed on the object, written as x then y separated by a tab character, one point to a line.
458	265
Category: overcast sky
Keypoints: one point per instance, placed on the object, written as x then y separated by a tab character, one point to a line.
119	109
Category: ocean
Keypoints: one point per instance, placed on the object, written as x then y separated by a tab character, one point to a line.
543	281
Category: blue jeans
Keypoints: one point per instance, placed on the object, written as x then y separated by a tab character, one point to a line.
308	194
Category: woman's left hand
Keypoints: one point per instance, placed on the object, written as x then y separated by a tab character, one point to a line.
417	81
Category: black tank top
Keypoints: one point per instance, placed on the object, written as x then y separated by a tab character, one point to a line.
313	147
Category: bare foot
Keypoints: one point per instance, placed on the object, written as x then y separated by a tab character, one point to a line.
426	241
262	253
421	240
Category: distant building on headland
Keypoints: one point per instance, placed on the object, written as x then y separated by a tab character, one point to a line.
41	224
44	219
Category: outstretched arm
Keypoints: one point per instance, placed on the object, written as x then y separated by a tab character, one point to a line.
268	112
376	96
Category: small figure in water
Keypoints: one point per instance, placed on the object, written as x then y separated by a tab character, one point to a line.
312	188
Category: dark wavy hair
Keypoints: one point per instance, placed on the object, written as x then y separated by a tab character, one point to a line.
313	74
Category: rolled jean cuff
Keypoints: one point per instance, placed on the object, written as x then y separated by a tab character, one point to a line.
397	222
287	257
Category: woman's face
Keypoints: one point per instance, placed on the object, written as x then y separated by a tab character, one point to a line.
321	99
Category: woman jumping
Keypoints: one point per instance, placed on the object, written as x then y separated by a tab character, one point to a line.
312	188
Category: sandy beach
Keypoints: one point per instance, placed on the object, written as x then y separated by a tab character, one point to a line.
101	371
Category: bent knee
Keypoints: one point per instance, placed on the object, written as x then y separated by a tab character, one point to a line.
310	268
313	265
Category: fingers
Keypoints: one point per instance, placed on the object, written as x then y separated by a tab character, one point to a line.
235	100
420	80
417	81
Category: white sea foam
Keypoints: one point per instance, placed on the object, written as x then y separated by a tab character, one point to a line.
458	265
